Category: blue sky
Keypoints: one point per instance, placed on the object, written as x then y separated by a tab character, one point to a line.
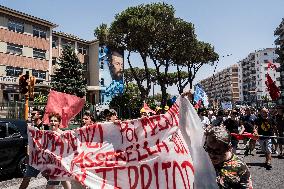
235	27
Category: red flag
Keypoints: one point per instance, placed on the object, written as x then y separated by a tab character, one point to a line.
66	105
245	135
148	109
271	65
272	88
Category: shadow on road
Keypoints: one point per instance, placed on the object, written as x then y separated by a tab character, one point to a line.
8	177
256	164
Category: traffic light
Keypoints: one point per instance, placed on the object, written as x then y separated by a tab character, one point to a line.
24	83
32	87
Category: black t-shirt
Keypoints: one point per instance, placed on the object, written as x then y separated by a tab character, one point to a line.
232	125
279	119
248	122
265	126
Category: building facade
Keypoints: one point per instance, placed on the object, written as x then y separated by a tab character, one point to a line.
279	32
222	86
252	76
30	44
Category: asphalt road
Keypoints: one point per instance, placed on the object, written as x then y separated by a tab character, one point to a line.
262	178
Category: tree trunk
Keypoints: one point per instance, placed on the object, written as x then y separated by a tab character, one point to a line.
164	96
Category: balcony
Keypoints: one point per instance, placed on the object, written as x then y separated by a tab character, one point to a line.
278	41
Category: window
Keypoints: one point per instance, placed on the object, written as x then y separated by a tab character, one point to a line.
38	53
102	82
12	129
265	61
15	26
265	53
13	71
38	32
54	62
82	49
102	65
265	68
65	43
14	49
54	42
278	79
39	74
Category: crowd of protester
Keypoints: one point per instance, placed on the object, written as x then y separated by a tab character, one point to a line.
221	128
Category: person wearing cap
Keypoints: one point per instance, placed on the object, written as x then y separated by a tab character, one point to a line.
266	127
158	110
167	108
143	113
231	171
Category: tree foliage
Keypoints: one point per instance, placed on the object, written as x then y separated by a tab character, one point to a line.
129	103
70	76
163	42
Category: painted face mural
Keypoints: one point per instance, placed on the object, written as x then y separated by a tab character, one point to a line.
111	74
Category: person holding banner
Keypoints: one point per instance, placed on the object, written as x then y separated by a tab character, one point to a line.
88	119
32	172
54	120
231	172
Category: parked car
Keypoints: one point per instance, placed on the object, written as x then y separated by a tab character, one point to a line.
13	146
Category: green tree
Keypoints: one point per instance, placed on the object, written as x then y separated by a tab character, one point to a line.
129	103
162	41
70	76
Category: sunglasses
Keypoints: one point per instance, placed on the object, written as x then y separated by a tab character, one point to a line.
213	151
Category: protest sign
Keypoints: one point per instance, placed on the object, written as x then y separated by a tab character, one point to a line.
227	105
145	153
200	94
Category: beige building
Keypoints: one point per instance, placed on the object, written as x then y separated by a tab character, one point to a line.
29	44
222	86
252	76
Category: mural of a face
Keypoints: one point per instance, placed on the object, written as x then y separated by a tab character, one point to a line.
116	66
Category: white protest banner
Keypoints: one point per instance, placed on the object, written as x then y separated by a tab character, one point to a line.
144	153
227	105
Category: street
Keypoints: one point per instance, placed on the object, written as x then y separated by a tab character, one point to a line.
262	178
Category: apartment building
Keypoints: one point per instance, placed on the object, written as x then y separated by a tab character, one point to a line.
252	75
87	52
30	44
279	32
222	86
